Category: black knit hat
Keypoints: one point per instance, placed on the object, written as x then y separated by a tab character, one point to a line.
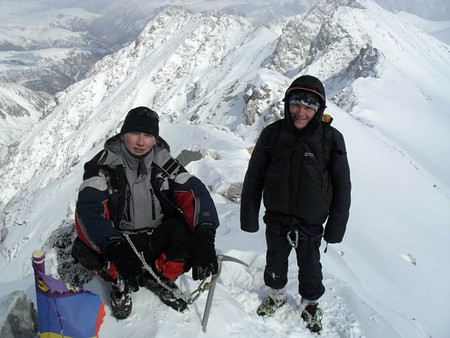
141	120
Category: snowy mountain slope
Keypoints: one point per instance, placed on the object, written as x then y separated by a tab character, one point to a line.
20	109
211	79
375	278
26	36
439	29
142	78
46	46
19	102
406	53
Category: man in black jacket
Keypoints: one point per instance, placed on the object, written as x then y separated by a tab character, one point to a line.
135	198
299	167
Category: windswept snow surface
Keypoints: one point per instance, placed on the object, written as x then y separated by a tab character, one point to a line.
378	280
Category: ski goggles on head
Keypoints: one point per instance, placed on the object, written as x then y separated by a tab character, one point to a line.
305	100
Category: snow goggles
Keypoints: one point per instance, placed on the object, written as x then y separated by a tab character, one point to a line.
305	100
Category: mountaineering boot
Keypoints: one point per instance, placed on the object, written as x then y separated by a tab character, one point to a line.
272	302
167	291
312	315
121	303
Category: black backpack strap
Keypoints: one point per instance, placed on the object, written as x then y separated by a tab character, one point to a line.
327	138
271	137
168	165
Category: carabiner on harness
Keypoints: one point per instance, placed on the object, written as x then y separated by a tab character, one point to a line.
292	237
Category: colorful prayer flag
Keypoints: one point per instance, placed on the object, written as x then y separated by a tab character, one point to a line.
65	311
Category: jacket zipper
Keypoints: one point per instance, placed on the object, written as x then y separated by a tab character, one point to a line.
153	204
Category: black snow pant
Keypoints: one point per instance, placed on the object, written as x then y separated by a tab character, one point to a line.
171	237
308	259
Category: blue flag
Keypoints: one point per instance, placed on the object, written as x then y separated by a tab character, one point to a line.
64	311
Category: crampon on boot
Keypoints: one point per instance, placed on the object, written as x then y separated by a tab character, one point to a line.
167	291
313	315
274	300
121	302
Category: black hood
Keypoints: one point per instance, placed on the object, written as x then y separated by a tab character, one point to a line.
306	83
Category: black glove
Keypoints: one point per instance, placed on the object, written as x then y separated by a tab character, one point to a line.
203	253
127	263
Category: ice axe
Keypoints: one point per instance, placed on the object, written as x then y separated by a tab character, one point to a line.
212	286
204	285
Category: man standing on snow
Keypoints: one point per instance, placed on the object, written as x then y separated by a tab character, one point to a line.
133	190
299	166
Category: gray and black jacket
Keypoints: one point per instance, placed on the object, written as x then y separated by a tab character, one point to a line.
103	205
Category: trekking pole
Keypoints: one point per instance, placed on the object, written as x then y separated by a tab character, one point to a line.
212	286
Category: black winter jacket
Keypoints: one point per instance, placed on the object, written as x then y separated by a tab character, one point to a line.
303	177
